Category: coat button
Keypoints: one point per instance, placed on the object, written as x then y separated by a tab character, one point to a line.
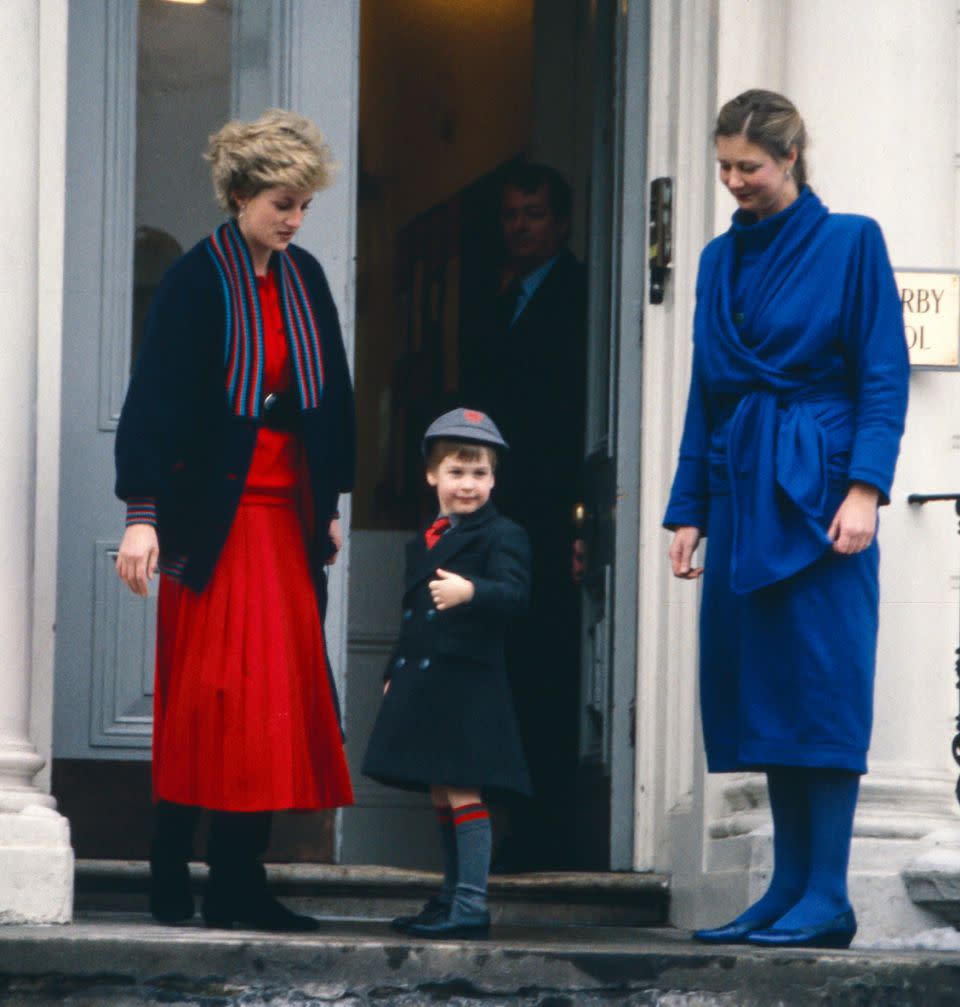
431	613
408	614
424	663
400	662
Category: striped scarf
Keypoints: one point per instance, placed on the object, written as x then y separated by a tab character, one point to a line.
243	349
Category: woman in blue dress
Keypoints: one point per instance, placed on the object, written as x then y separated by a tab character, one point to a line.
793	425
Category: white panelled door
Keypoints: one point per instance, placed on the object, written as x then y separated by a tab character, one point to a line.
148	81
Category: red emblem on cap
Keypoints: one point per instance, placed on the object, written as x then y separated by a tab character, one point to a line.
472	416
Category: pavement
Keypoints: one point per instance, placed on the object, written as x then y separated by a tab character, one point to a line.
120	960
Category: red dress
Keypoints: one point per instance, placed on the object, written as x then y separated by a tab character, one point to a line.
243	714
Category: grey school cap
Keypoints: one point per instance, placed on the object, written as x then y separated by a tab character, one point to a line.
464	425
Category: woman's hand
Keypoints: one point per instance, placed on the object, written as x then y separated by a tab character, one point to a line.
450	589
855	523
684	544
336	537
138	556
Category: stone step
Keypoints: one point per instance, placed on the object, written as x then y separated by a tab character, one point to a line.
379	893
121	961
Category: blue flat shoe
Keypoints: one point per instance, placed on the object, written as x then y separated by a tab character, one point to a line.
734	932
837	932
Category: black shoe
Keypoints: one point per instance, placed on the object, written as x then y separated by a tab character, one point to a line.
171	896
269	914
433	911
261	913
458	923
241	897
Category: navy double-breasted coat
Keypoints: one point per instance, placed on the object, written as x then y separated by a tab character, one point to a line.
448	717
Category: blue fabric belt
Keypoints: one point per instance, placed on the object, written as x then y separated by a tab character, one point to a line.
777	461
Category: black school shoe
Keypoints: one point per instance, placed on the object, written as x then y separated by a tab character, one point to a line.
433	911
459	923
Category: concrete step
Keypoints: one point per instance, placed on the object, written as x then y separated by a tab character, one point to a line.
121	961
380	893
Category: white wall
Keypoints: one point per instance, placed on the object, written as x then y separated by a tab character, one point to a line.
879	93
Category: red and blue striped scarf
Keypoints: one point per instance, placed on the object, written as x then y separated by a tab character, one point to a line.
243	349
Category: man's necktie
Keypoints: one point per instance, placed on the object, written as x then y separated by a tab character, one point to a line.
435	531
508	301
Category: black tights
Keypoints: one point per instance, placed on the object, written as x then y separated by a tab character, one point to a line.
236	837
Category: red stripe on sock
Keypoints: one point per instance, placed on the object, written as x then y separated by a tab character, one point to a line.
470	814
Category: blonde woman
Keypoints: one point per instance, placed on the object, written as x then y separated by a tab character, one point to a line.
235	441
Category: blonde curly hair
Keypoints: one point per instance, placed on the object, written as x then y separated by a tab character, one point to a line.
281	148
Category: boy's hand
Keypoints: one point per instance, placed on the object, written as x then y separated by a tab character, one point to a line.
450	589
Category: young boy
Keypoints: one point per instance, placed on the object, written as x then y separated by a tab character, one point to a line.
447	723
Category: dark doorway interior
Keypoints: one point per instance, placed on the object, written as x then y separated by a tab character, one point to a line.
453	96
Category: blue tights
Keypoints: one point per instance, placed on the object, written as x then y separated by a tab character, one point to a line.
812	827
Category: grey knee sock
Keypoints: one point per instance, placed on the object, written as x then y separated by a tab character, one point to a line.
472	826
448	842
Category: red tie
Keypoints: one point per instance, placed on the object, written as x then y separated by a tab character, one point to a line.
433	533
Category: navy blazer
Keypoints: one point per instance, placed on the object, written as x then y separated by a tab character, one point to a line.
178	441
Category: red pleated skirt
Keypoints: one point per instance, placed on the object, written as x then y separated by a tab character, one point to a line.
244	718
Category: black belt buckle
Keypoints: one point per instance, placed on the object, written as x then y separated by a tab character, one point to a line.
279	412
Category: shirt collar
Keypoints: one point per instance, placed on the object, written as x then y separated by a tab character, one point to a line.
532	280
531	283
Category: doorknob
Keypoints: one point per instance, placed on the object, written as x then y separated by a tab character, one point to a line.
579	515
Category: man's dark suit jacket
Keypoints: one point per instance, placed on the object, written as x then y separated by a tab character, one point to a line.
531	378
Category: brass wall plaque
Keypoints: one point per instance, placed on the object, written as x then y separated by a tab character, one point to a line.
931	316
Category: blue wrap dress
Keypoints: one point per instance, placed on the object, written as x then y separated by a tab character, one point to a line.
799	388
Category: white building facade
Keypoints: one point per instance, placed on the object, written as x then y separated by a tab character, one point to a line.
879	86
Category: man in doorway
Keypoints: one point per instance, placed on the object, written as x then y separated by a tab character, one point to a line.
529	371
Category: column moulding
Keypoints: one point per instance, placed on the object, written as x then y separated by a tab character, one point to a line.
36	861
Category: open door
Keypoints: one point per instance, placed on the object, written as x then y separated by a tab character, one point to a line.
468	88
609	515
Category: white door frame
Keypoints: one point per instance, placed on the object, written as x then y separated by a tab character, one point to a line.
323	42
682	82
630	174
